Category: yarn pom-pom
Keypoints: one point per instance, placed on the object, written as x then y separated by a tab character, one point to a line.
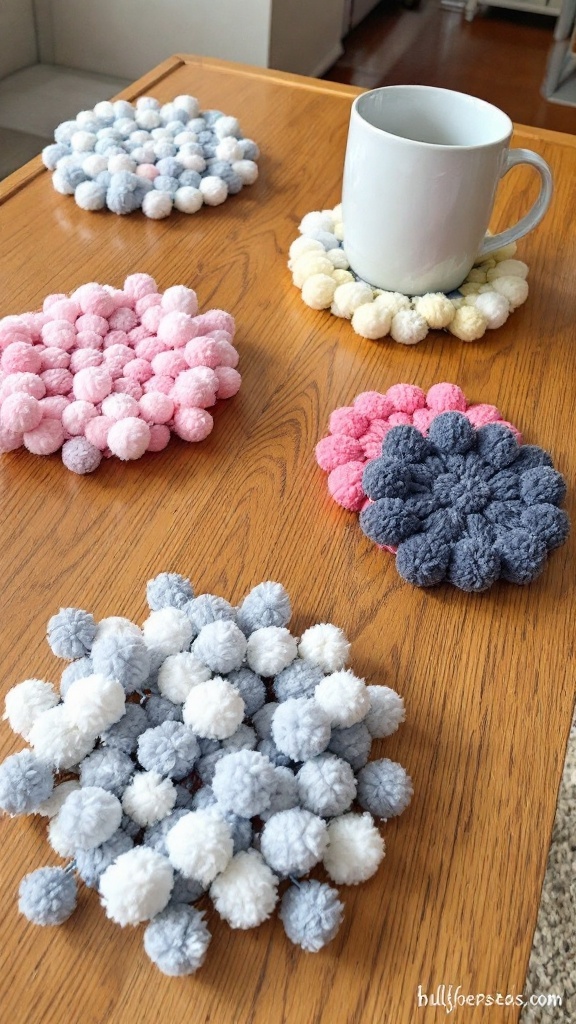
214	709
251	689
109	769
47	896
324	645
326	785
79	456
244	782
293	841
57	741
168	589
129	438
148	798
200	845
177	940
245	893
270	649
123	657
168	629
94	704
344	698
71	633
299	679
355	849
88	817
468	323
136	886
352	744
386	711
25	782
300	728
179	673
91	864
169	749
26	701
370	320
52	805
311	913
221	645
384	788
124	734
268	604
208	608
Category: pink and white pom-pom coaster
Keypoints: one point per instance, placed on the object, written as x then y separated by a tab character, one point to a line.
109	371
320	269
357	431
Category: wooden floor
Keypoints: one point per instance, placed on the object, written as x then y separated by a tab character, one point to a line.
500	56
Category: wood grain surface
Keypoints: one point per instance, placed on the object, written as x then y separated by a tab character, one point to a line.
488	679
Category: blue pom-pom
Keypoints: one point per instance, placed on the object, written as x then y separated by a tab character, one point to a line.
384	788
25	782
311	913
177	940
71	633
170	749
91	864
47	896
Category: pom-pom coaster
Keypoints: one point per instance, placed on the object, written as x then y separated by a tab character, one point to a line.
208	753
109	371
320	269
153	157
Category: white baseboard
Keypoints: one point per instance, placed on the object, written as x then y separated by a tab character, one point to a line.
327	61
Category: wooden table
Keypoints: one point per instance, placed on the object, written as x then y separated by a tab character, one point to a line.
488	679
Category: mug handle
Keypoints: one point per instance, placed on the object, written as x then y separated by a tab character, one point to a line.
531	219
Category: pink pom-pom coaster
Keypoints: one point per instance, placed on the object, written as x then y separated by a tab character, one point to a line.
109	371
357	431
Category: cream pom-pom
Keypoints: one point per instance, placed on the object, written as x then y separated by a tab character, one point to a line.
148	798
436	309
338	259
303	244
355	849
468	324
57	741
94	703
200	845
50	807
318	291
246	892
317	220
270	650
179	673
392	301
344	698
369	321
308	264
342	277
324	645
348	297
470	288
505	253
117	625
26	701
157	205
478	274
408	327
169	630
494	307
136	886
515	289
214	709
338	230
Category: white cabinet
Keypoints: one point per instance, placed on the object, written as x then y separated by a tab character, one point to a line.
535	6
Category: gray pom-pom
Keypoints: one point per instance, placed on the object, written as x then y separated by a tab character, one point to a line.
326	785
203	798
293	841
243	739
384	788
220	645
89	817
168	590
184	798
47	896
177	940
299	679
386	711
206	766
25	782
208	608
270	750
244	782
71	633
250	687
285	795
129	826
124	734
79	669
160	710
185	890
108	768
155	835
123	657
90	864
241	829
301	728
311	913
353	744
268	604
170	749
262	720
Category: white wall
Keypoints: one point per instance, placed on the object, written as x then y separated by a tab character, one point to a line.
17	36
306	35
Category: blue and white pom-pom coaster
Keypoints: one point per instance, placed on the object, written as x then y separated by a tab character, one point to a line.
149	156
320	269
209	753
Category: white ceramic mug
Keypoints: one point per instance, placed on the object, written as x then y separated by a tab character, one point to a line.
420	175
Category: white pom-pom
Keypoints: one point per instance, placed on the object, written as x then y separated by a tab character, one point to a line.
169	630
121	162
214	190
348	297
408	327
148	119
341	277
344	698
157	205
468	323
57	741
270	650
136	886
193	162
386	711
179	674
318	291
304	244
324	645
200	845
89	195
94	164
83	142
371	322
226	126
338	259
94	703
52	805
515	289
104	109
436	309
148	798
214	709
355	849
228	149
317	220
247	171
117	625
309	264
246	892
188	199
494	307
59	839
26	701
187	103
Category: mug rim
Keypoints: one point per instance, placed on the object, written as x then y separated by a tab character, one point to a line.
432	89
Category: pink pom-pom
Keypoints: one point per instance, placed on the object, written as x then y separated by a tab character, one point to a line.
400	419
336	450
169	364
65	309
119	407
406	397
139	285
20	413
59	334
215	320
345	485
149	171
46	438
18	357
175	329
481	414
51	358
117	338
180	299
84	357
139	370
137	334
208	351
54	406
162	384
347	420
422	419
374	405
96	431
229	381
123	319
120	297
92	384
76	415
10	440
117	357
13	329
92	322
93	298
159	437
196	387
371	441
146	302
29	383
156	407
129	438
445	398
192	424
149	347
125	386
51	300
89	339
34	322
57	381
